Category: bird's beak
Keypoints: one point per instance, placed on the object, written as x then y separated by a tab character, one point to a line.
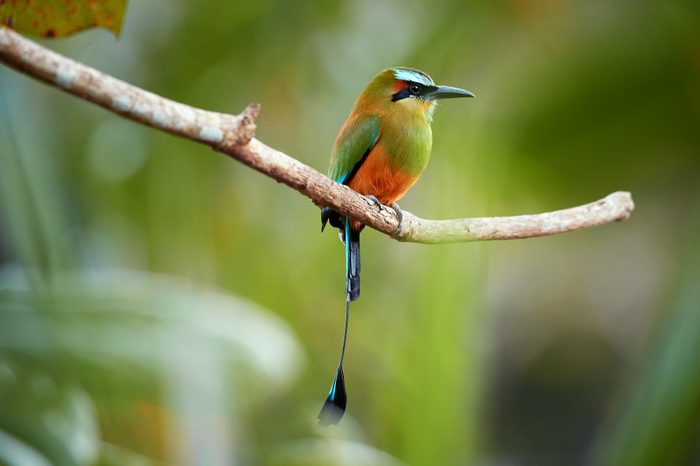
447	92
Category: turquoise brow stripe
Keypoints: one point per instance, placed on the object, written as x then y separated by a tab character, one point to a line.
408	75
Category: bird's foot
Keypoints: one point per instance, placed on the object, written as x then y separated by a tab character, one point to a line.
399	215
373	199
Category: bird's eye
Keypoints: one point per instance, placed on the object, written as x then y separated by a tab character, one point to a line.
414	88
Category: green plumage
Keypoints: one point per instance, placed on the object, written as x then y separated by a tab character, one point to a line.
352	145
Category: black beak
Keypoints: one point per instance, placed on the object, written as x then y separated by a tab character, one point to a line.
446	92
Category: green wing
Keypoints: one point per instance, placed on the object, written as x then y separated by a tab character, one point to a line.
352	146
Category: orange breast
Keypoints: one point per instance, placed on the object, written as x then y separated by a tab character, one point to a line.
378	178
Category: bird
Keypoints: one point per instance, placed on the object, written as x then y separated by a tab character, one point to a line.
380	152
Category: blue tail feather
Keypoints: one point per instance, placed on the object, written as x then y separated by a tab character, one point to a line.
352	261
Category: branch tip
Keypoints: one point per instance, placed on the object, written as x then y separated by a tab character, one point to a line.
252	111
246	129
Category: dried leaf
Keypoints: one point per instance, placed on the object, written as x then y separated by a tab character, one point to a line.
61	18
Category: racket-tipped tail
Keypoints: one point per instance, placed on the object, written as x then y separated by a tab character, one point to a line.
334	407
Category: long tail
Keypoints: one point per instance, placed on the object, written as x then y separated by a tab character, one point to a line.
334	407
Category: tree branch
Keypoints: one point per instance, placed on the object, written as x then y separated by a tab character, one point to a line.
233	136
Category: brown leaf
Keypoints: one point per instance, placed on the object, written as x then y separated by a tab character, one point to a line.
61	18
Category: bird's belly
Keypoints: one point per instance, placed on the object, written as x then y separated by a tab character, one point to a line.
377	177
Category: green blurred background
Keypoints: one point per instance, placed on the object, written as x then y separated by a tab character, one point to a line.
162	304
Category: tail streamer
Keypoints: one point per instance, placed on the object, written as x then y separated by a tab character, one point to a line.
334	407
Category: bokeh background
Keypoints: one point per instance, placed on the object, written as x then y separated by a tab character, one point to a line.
162	304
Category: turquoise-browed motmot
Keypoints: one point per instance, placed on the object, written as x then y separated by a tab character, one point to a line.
380	152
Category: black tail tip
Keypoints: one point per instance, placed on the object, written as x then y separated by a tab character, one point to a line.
334	406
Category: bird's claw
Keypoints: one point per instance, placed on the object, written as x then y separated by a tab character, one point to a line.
373	199
399	215
394	205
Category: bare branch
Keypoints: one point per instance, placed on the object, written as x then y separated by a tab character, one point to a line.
233	136
613	207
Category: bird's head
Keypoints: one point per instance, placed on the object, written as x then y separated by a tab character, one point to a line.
411	89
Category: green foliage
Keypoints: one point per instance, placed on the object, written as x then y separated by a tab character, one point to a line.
659	415
43	420
119	334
